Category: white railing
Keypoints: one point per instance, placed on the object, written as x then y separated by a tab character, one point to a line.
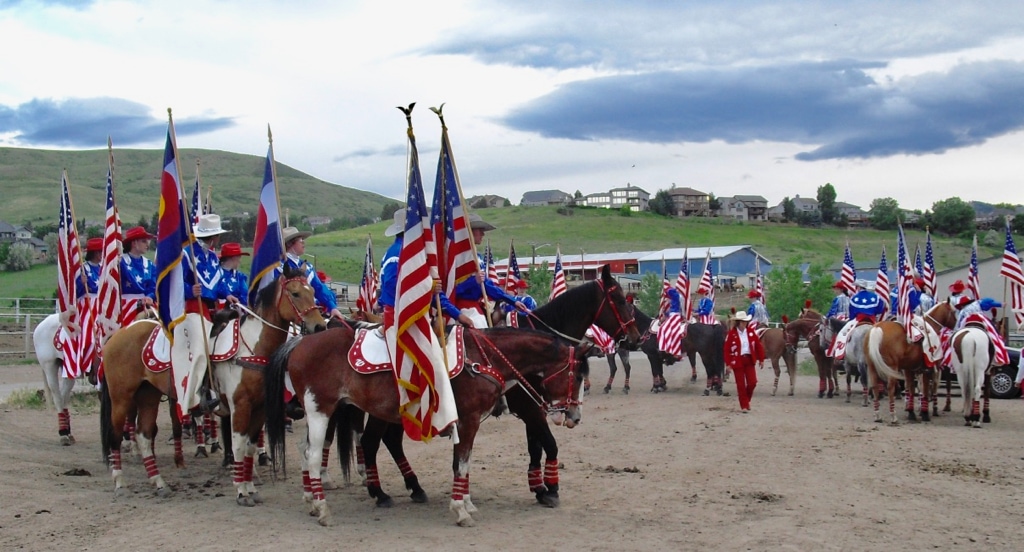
18	319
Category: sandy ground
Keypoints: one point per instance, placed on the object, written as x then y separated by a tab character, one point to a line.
670	471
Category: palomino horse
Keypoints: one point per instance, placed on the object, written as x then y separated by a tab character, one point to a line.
891	358
320	371
250	342
56	387
808	327
972	356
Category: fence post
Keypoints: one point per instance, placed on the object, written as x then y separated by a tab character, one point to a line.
17	307
28	334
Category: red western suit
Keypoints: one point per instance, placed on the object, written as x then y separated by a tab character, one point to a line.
742	360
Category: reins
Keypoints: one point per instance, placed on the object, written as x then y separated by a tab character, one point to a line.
531	392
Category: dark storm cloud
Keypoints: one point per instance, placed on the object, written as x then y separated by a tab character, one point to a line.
837	107
86	122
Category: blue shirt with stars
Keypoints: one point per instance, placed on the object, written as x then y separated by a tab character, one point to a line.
138	276
208	273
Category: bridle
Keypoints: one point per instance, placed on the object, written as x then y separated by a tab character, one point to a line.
623	328
299	315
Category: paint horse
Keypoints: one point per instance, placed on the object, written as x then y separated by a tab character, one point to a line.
325	380
891	358
240	355
56	387
973	353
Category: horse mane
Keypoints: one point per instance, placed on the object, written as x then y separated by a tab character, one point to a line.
569	306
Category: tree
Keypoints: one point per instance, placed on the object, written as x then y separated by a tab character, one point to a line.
1017	225
539	280
827	204
51	247
153	225
714	204
884	213
649	298
577	195
994	238
387	212
786	291
5	251
19	257
662	204
952	216
788	209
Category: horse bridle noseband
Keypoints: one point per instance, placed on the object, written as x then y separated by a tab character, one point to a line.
623	326
300	315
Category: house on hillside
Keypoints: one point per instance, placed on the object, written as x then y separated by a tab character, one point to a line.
545	197
690	203
744	207
313	222
856	216
7	232
39	247
636	198
22	233
801	204
485	201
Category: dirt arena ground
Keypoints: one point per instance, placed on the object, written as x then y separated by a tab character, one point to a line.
669	471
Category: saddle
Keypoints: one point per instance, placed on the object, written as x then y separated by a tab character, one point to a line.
156	353
369	352
225	341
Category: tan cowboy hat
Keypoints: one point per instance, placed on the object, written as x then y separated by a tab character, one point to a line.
292	233
742	316
398	226
477	223
209	225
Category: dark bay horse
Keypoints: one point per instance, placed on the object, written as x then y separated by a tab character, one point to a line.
891	358
707	340
808	327
323	379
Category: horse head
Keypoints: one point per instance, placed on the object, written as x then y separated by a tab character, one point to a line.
296	302
942	314
563	389
618	319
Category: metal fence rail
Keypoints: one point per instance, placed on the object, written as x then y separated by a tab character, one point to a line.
19	317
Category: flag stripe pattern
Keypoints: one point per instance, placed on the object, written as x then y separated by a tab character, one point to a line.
512	275
368	286
930	279
451	234
848	276
267	245
759	281
194	211
108	308
172	237
707	280
1011	270
973	283
882	279
904	281
69	269
558	285
492	271
683	286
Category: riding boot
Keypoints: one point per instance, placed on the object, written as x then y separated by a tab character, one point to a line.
209	401
294	410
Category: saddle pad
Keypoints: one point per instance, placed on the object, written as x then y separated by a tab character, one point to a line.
156	354
225	345
369	352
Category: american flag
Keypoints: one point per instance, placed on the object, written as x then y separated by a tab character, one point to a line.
759	282
172	236
928	271
666	285
882	280
558	286
418	357
69	275
707	280
683	285
194	211
904	283
512	275
453	239
1011	269
368	286
108	305
492	271
848	276
973	283
267	244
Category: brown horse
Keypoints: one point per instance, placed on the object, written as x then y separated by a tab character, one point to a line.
240	377
775	348
324	380
808	327
891	358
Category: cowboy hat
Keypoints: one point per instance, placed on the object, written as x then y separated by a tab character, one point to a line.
209	226
863	284
398	226
742	316
957	287
232	249
477	223
137	233
292	233
963	301
522	284
753	294
94	244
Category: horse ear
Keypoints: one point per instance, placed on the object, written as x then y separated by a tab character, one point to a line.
606	272
807	303
785	319
732	310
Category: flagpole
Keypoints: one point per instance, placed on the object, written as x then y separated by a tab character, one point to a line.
191	258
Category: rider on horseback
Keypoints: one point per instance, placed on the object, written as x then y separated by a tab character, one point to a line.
840	308
865	307
757	310
236	281
138	275
468	295
295	247
705	313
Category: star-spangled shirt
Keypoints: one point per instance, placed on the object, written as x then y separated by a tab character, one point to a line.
324	296
469	289
208	273
705	307
389	281
138	276
237	284
92	280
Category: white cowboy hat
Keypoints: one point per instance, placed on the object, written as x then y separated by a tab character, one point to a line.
742	316
209	225
477	223
398	226
292	233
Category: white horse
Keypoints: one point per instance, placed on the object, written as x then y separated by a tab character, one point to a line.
856	361
56	387
971	359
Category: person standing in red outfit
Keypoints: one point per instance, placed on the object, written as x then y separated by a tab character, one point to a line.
743	350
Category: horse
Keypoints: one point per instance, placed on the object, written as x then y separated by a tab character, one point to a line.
705	339
239	373
891	358
56	387
320	371
856	362
774	342
623	355
972	356
808	326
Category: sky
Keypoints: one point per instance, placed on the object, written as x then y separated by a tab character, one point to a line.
917	101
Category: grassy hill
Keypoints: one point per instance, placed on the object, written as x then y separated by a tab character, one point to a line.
30	185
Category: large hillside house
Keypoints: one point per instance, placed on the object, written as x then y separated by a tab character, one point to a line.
689	202
744	207
636	198
545	197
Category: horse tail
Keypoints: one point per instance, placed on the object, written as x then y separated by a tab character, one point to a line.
273	390
347	419
106	426
875	354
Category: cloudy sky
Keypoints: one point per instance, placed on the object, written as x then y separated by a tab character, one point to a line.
919	101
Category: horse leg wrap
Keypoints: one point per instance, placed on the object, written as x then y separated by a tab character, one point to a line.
306	485
63	422
460	488
247	469
150	463
405	468
360	457
551	473
372	477
324	457
211	425
115	459
535	480
821	385
129	430
317	488
975	409
238	475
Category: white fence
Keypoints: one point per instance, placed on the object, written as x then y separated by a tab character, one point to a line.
18	319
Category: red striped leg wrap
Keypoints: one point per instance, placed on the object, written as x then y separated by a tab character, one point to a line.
260	442
67	418
247	469
360	458
984	407
238	472
776	381
211	425
821	385
305	482
372	478
460	488
533	477
129	429
177	448
115	458
550	472
323	458
974	408
150	463
317	487
610	380
406	469
627	382
924	404
63	422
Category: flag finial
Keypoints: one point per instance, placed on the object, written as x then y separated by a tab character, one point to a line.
438	111
408	114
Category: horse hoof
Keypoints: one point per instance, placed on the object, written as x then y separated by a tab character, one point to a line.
707	392
986	419
693	379
625	390
330	485
163	492
215	448
419	497
947	408
201	452
790	394
65	441
548	499
466	522
977	425
264	459
821	394
607	389
243	500
385	502
256	498
71	438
